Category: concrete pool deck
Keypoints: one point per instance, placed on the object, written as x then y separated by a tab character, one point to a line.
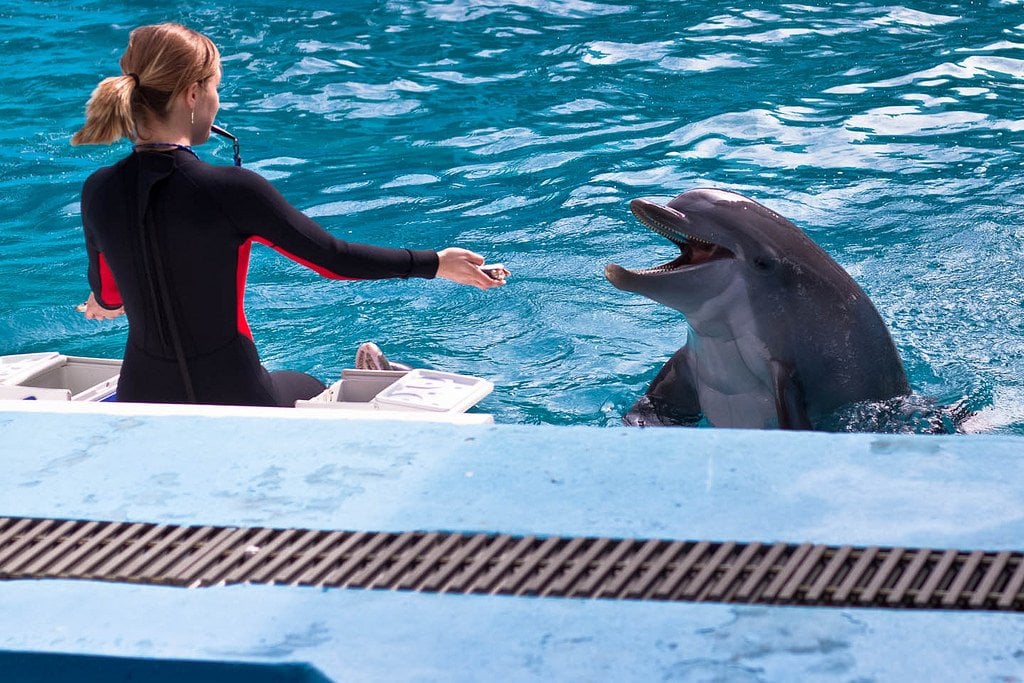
268	468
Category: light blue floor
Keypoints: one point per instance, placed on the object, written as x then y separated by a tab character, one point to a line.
386	636
959	492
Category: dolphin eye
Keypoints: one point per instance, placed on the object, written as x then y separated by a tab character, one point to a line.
763	263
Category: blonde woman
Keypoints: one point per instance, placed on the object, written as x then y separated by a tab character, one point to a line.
168	236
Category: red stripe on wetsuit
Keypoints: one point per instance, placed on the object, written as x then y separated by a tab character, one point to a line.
110	295
243	270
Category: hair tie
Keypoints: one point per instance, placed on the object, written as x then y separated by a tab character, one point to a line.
135	77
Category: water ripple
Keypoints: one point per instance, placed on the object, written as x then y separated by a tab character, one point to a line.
521	129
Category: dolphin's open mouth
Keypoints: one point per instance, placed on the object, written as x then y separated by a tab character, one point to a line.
672	225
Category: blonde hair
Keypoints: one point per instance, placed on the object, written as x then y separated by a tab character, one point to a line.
159	63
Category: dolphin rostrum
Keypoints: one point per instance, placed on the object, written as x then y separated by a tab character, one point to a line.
779	334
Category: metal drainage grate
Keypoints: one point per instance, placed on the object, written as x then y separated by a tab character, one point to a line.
779	573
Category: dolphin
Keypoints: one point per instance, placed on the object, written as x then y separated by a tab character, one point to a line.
779	335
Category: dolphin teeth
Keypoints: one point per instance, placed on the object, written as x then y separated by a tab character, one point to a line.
694	251
670	233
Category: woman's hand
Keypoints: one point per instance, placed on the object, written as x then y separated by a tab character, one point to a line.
463	266
93	310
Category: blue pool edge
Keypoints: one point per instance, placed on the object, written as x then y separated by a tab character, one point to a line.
261	468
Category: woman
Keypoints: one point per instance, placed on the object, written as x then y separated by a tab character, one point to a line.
168	236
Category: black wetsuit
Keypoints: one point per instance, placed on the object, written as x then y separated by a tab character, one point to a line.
168	236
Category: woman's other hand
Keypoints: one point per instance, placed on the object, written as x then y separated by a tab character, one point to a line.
93	311
463	266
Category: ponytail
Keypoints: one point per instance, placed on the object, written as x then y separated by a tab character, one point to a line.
160	62
108	115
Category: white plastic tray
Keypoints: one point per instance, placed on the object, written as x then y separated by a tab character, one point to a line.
433	390
53	376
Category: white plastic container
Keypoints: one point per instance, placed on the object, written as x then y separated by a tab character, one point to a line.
54	377
354	391
433	390
412	390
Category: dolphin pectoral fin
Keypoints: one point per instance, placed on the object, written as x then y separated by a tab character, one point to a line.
649	413
671	399
789	399
643	414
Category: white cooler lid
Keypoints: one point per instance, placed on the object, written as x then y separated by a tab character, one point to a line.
445	392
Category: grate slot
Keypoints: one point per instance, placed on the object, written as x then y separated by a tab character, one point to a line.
554	567
137	549
262	566
488	582
315	560
988	582
321	559
858	574
458	561
938	573
827	578
713	566
44	544
9	528
525	566
578	568
963	575
883	574
64	546
619	582
581	567
1010	593
89	553
233	557
801	572
782	578
91	558
363	545
29	536
136	570
207	555
375	562
469	580
606	568
761	574
907	577
437	559
191	539
648	574
721	590
400	565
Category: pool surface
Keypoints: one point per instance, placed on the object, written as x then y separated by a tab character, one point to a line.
892	134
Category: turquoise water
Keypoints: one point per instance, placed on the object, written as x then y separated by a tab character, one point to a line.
894	135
